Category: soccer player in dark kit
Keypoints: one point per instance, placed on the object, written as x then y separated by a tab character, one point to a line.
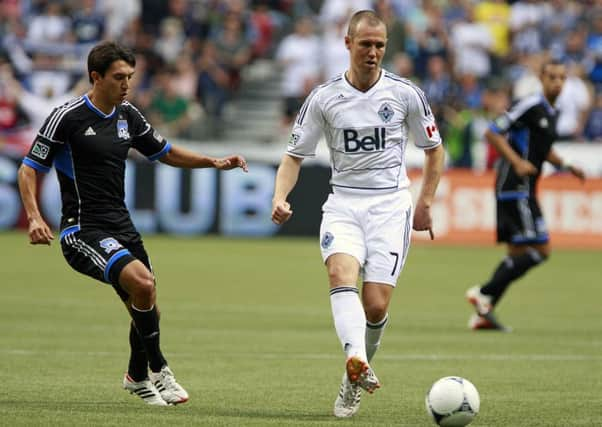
87	140
530	126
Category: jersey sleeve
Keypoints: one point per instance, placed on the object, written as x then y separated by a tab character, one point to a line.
502	123
421	121
50	138
145	138
308	128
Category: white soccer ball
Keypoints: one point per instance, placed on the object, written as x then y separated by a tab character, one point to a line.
453	402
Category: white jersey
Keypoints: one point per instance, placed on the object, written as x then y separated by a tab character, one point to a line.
366	132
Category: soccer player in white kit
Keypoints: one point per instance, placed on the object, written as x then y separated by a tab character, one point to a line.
365	115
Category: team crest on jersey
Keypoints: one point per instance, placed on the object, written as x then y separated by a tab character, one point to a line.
502	122
109	244
122	129
327	240
386	112
543	123
41	150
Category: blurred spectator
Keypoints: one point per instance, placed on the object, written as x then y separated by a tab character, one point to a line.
334	10
438	86
471	43
119	14
396	31
403	65
171	39
298	55
47	78
573	105
594	49
52	25
593	127
88	25
213	87
433	41
495	15
233	49
173	113
265	27
560	19
526	17
335	55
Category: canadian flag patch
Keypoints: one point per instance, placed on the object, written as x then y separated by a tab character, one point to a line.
431	130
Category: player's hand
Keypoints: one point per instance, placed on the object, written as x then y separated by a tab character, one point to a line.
576	171
524	168
281	211
39	232
231	162
423	220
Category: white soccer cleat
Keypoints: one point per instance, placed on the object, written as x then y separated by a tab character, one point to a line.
359	372
166	383
348	400
145	390
481	302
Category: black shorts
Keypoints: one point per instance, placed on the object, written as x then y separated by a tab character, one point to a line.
102	256
519	221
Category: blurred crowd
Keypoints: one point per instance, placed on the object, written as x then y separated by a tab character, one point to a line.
470	57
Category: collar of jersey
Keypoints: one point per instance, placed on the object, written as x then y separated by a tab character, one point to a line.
370	89
549	107
96	110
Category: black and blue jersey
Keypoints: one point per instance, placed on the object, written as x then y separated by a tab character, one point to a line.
88	149
530	126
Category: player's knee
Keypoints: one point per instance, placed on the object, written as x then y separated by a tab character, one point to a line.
144	285
375	311
339	275
540	254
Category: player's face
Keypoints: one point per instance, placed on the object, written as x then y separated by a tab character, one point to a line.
116	82
367	47
552	80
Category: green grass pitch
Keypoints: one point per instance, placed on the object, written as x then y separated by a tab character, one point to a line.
247	329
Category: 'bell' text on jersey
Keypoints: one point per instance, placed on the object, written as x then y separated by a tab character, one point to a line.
366	132
531	128
88	149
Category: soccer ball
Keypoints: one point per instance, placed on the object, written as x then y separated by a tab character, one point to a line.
452	402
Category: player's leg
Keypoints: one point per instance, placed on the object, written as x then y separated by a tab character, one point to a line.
341	243
376	298
137	280
95	254
521	226
388	234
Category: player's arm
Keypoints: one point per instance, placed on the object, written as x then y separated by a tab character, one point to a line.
560	163
433	168
521	166
39	232
286	178
183	158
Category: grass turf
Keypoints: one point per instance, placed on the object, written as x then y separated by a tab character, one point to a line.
247	329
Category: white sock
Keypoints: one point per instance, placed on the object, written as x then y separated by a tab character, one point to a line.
349	320
374	333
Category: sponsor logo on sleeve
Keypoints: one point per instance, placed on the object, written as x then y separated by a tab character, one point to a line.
432	131
502	122
293	139
40	150
157	136
327	240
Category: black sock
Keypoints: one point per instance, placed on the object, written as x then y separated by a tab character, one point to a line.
147	324
138	366
510	269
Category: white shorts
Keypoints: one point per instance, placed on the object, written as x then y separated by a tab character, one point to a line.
374	229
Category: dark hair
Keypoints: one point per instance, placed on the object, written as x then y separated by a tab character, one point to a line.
551	63
369	15
104	54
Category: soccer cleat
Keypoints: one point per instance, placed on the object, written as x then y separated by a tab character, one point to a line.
145	390
348	400
166	383
481	302
486	322
360	373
